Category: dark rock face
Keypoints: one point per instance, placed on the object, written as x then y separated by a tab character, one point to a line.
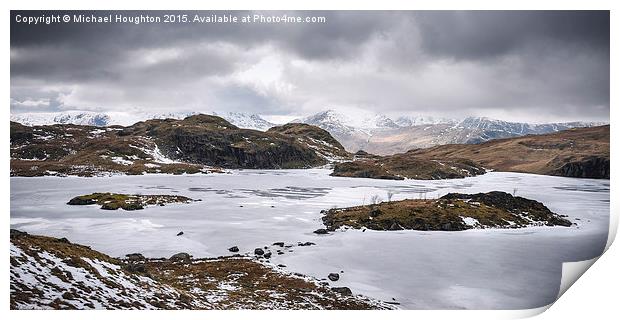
80	201
333	276
259	251
345	291
233	249
590	167
14	233
136	267
181	257
210	140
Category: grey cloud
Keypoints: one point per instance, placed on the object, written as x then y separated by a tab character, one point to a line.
483	34
545	64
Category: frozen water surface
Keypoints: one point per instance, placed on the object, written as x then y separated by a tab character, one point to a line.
489	269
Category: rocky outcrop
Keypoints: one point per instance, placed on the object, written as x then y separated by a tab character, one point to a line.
452	212
213	141
198	143
406	165
316	138
588	167
114	201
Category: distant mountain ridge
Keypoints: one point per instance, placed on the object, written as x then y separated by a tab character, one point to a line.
103	119
381	135
371	132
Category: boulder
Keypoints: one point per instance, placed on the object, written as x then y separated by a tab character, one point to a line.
181	257
333	276
136	267
395	227
180	233
267	255
320	231
375	212
279	244
233	249
135	257
259	251
64	240
345	291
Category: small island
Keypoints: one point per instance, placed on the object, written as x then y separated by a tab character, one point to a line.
406	166
452	212
114	201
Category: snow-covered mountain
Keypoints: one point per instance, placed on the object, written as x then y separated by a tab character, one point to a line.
99	119
352	132
408	121
379	134
246	121
69	117
492	128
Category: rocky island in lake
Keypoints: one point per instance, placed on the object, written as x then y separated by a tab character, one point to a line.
114	201
452	212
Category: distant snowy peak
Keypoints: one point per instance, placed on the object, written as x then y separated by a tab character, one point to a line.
368	121
371	122
241	120
409	121
520	128
70	117
358	120
246	121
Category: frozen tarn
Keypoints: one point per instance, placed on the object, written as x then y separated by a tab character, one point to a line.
489	268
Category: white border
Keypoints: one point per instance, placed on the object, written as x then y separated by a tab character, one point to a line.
595	294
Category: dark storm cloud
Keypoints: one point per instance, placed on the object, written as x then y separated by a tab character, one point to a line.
485	34
338	37
550	64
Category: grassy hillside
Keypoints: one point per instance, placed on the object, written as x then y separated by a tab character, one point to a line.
582	153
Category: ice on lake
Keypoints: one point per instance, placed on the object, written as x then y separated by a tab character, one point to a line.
473	269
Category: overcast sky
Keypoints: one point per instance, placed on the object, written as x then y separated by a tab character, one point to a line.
519	66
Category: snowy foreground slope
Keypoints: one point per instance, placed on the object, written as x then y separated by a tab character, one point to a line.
50	273
471	269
